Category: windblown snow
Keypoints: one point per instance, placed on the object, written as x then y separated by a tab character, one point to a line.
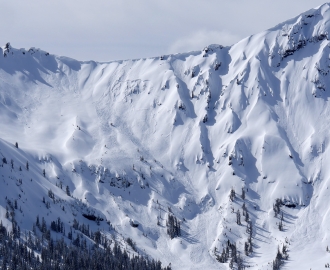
139	140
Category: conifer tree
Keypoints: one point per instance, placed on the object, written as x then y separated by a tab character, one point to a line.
232	194
243	193
238	217
68	191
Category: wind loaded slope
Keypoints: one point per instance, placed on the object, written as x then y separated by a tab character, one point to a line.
171	151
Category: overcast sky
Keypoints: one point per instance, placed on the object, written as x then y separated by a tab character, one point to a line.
106	30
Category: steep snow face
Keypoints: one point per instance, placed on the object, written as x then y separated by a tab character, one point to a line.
138	139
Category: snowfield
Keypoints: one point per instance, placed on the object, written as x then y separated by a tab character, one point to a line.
138	140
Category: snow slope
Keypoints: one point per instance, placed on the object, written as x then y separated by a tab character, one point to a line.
182	130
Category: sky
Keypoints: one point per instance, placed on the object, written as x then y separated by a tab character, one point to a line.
105	30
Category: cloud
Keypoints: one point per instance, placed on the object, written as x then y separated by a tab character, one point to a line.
199	40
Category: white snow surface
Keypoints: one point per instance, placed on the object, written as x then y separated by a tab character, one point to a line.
170	126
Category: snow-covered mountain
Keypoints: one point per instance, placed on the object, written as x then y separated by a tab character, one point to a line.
137	141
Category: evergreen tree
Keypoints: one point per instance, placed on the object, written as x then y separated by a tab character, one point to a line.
232	194
238	217
68	191
246	248
276	207
173	226
247	216
280	225
51	194
7	213
243	194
